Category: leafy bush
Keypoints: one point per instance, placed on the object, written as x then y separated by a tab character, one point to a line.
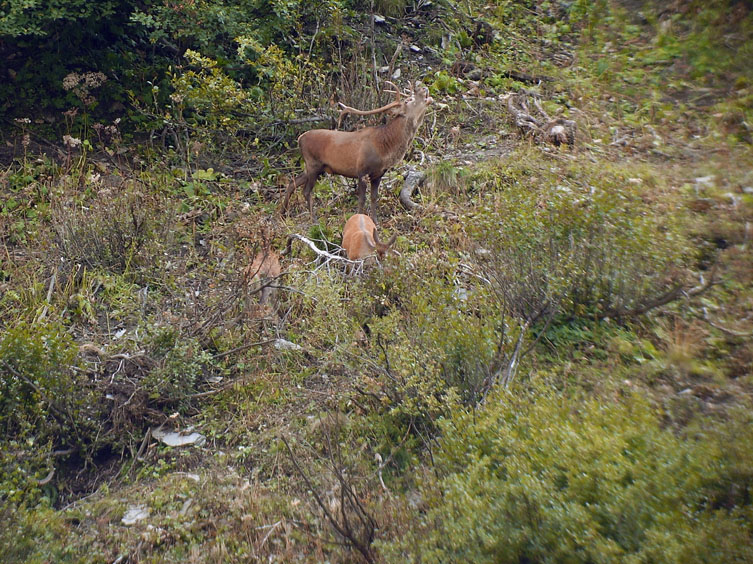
35	535
537	478
47	43
37	384
44	405
116	233
432	342
183	366
443	82
443	177
591	243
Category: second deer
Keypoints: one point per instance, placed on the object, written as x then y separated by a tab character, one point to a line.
360	239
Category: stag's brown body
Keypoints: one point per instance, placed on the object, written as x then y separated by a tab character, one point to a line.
360	239
367	153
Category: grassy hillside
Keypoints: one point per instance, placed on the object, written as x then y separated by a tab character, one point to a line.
555	365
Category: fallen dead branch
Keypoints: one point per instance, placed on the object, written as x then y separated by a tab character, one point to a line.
677	292
327	258
723	329
557	131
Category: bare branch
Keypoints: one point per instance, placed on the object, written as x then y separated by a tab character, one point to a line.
341	526
723	329
320	252
671	295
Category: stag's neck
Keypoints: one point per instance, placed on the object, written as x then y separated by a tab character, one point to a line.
395	138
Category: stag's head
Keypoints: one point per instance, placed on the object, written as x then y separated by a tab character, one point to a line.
411	105
414	106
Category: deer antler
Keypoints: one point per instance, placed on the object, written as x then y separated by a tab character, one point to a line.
396	90
348	110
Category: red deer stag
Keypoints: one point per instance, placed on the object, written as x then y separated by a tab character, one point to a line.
368	152
360	238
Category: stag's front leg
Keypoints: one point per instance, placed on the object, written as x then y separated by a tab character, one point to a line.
374	194
361	194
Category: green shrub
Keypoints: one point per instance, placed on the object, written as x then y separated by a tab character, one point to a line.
183	366
443	177
589	243
36	381
116	233
44	406
432	342
444	83
537	478
37	535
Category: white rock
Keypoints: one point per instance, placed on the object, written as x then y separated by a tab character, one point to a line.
704	180
175	439
135	514
284	345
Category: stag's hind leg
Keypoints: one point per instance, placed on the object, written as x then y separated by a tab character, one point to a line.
300	179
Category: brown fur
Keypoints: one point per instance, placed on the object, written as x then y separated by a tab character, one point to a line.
262	273
367	153
360	238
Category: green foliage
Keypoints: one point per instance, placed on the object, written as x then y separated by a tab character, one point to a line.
324	322
34	535
50	47
39	17
210	94
394	8
25	200
434	343
445	177
44	405
118	232
444	83
687	52
37	382
537	478
183	366
586	243
405	356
